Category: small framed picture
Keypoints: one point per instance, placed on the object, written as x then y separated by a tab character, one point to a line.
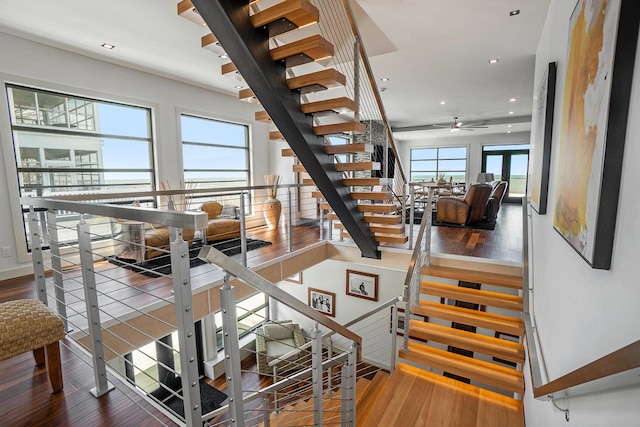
401	318
362	285
323	301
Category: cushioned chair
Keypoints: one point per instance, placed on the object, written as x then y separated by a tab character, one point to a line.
465	211
278	341
29	325
223	222
495	199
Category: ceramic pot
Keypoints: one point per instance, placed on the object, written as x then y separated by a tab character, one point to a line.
272	209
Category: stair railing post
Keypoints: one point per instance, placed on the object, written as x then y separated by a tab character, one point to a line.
329	371
316	370
356	78
427	236
232	352
266	418
289	225
322	223
56	266
103	386
349	388
412	205
186	329
243	230
36	255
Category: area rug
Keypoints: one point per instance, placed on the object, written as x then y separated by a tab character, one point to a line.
210	397
161	265
482	225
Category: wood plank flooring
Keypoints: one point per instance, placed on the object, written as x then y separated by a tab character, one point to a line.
25	393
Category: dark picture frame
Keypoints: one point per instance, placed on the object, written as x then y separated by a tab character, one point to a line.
362	285
600	62
322	301
541	134
401	319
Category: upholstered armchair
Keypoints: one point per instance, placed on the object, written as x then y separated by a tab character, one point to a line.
495	199
469	210
278	346
222	221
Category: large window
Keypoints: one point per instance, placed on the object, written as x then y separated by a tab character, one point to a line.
215	153
437	162
508	163
66	144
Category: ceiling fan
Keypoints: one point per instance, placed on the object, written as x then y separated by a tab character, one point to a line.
458	126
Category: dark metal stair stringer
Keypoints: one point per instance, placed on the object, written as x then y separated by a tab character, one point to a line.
249	50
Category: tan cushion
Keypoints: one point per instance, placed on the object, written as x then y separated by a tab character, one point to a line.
27	325
274	331
213	209
275	349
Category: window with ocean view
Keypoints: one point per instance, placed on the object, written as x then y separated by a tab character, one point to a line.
436	162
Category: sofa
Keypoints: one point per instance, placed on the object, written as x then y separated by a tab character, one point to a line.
465	211
223	223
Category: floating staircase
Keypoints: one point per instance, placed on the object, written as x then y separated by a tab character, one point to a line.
477	335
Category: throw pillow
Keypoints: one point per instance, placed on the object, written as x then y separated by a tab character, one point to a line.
278	331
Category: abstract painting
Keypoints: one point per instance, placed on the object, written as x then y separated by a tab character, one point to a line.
601	55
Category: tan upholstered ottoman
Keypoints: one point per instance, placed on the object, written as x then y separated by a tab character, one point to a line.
29	325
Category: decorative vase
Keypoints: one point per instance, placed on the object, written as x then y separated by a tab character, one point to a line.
272	210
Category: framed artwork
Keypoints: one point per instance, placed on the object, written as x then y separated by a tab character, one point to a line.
362	285
600	60
323	301
541	133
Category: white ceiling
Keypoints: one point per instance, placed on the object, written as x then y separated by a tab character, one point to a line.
431	50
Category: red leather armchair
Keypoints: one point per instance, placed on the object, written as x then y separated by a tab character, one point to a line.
465	211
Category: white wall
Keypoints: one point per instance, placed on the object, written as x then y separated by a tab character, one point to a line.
583	314
30	63
473	143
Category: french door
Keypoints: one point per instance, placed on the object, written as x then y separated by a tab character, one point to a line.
508	163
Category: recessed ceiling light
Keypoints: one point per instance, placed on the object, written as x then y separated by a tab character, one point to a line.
224	56
494	61
238	87
385	79
512	100
442	102
510	112
508	131
107	46
514	12
508	126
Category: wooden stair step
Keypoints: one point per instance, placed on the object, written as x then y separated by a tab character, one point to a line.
308	49
299	167
365	182
338	105
378	207
328	78
475	296
262	116
488	373
288	152
275	136
308	181
359	147
343	127
371	195
187	11
209	42
246	94
297	12
487	278
324	206
369	400
317	195
471	341
391	238
357	166
491	321
228	68
382	219
387	228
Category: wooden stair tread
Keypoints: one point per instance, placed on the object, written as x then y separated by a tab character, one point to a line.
275	135
262	116
342	127
288	152
391	238
246	94
308	181
357	166
299	167
378	207
298	12
317	195
382	219
229	68
387	228
314	47
364	182
209	41
371	195
186	10
359	147
339	105
485	372
476	296
487	278
368	401
491	321
484	344
328	78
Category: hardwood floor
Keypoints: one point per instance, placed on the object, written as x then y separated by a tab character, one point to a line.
25	393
